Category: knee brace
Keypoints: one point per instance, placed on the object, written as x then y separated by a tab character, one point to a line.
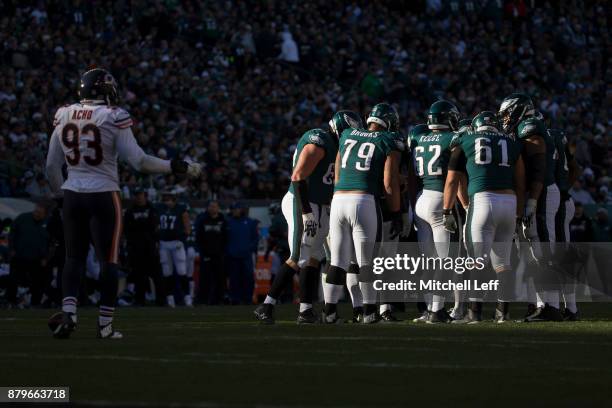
336	275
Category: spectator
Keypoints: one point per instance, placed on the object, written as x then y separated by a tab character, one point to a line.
579	194
581	228
28	249
601	226
289	48
211	240
39	188
242	241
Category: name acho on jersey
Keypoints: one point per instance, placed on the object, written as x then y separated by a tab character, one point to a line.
430	154
490	159
89	139
321	180
362	159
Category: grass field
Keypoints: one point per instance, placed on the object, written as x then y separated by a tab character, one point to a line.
219	356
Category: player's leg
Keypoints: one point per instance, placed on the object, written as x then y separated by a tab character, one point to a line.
340	242
388	249
106	224
422	215
563	219
165	258
76	237
179	260
191	255
504	211
553	201
366	224
293	214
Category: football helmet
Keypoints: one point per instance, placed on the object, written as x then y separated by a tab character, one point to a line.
513	109
443	115
465	125
486	120
98	86
418	130
384	115
343	120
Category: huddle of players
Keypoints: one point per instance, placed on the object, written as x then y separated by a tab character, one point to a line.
483	163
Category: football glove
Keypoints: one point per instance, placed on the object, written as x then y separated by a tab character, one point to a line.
448	219
182	167
310	228
397	225
530	230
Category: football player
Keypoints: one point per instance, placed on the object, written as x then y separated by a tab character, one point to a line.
430	152
519	117
496	175
306	209
174	228
366	165
566	172
88	137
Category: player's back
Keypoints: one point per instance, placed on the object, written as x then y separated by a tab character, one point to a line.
362	159
431	153
87	135
490	159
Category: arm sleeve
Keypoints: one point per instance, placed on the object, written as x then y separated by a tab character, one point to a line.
55	161
457	161
129	151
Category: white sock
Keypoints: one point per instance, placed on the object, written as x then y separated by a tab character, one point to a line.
191	287
384	307
437	303
540	299
188	300
131	287
305	306
269	300
552	298
368	292
475	299
569	296
352	283
69	304
458	299
332	292
106	315
427	298
170	300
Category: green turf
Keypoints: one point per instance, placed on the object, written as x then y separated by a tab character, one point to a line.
217	356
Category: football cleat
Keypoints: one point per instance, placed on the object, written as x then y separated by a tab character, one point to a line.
332	318
308	316
107	332
456	313
388	317
62	324
188	301
545	314
265	313
531	308
358	314
501	313
422	318
569	316
474	314
371	318
170	301
441	316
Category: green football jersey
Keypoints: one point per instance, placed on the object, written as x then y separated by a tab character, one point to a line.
430	153
561	164
490	159
362	159
321	181
171	226
534	126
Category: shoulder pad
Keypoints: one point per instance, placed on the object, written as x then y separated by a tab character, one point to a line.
531	127
58	115
315	137
398	141
120	118
456	140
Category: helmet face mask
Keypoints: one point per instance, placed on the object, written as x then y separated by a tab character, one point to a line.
513	109
343	120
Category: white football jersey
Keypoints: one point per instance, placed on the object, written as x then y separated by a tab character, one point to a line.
89	139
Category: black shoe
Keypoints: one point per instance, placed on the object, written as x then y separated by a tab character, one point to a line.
441	316
545	314
265	313
371	318
358	314
107	332
332	318
307	317
422	318
388	317
568	316
473	316
501	313
531	308
62	324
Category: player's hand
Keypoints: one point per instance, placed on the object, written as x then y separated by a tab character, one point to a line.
397	225
448	219
310	227
530	230
183	167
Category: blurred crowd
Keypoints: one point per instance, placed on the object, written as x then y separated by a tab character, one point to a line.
233	84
